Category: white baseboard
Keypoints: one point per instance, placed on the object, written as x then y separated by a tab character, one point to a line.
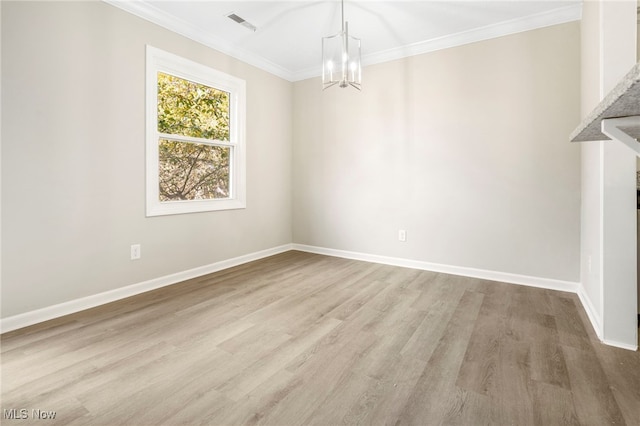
568	286
592	313
620	345
505	277
50	312
40	315
596	322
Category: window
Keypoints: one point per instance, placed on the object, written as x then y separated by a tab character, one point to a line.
195	137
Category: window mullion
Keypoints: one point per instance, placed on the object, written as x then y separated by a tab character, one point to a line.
181	138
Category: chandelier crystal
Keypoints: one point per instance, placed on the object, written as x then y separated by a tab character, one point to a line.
341	61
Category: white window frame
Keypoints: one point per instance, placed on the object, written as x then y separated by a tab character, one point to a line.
168	63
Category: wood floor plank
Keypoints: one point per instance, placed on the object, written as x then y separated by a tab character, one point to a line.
331	345
301	338
338	403
439	306
512	391
432	395
592	397
553	405
254	406
383	403
469	408
274	362
385	352
322	376
367	292
548	364
74	380
571	329
479	369
622	370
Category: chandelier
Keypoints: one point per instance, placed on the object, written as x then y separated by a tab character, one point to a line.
341	62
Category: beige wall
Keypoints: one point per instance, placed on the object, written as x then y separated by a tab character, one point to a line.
73	158
467	149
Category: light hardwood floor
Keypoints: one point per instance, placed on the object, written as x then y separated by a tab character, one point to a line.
305	339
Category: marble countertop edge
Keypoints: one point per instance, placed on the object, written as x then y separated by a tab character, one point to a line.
622	101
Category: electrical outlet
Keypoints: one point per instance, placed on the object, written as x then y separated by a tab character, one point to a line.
135	251
402	235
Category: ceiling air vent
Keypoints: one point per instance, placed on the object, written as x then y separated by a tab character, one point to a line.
241	21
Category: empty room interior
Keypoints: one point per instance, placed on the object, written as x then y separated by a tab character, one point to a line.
252	212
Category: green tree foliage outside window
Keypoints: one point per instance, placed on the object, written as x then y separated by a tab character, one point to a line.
190	170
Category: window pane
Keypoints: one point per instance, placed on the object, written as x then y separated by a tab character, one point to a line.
191	171
191	109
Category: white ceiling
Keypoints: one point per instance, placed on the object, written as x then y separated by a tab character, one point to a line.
288	37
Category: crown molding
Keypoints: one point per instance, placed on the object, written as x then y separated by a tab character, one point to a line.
514	26
146	11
